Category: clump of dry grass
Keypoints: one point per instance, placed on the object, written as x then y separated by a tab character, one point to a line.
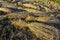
5	10
42	31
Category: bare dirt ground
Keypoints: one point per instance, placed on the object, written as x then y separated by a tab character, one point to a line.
29	20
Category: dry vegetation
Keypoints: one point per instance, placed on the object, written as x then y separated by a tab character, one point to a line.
29	20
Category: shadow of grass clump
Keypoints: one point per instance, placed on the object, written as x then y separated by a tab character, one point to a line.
12	33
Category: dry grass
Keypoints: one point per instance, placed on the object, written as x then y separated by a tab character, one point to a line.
29	20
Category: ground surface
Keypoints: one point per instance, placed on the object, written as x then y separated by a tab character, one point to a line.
29	20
